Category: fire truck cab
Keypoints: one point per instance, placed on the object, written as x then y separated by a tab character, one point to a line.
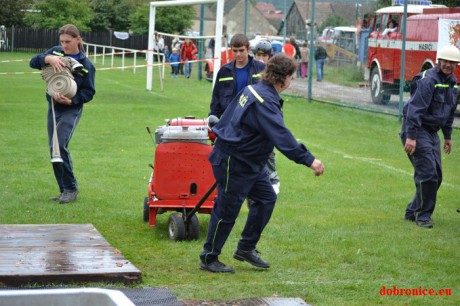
422	42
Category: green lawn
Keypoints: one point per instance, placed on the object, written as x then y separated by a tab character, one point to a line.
332	240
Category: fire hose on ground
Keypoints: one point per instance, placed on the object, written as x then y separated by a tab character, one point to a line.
63	83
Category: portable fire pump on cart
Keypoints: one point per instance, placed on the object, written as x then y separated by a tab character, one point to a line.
182	180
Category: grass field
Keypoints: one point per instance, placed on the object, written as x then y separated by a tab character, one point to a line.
333	240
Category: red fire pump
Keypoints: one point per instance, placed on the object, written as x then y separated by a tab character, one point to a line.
182	180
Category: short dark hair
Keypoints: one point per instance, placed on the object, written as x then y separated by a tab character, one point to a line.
394	22
278	68
239	40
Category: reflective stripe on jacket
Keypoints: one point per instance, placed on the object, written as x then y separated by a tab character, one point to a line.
84	79
225	87
432	103
253	125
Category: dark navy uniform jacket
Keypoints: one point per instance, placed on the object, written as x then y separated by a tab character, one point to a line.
432	104
84	79
253	125
225	88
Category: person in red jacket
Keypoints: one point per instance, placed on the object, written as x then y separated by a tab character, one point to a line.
289	49
188	52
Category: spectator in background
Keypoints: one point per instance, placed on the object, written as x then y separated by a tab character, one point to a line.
304	58
161	44
263	51
320	57
211	46
188	53
392	26
289	49
167	53
297	55
174	59
177	43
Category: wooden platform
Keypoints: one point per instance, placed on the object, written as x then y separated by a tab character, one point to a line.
60	253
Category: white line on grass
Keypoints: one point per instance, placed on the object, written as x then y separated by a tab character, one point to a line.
376	162
156	94
379	163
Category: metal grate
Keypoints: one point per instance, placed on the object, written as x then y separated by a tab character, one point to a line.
151	296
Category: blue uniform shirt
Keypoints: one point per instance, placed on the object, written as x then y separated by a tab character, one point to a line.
225	88
84	79
253	125
432	104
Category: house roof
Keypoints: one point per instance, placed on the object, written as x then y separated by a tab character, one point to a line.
208	13
271	13
228	6
322	10
266	8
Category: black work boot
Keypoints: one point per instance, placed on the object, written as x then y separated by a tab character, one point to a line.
424	224
68	196
251	257
216	266
56	198
409	218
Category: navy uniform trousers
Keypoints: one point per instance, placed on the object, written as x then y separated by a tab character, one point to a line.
427	175
235	182
67	118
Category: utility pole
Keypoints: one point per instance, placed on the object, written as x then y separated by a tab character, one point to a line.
285	21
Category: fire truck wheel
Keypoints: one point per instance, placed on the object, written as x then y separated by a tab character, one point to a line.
377	90
192	230
176	227
146	209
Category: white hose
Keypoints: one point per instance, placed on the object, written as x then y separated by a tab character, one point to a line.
62	82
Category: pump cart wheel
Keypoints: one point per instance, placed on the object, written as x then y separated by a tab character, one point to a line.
176	227
192	230
377	88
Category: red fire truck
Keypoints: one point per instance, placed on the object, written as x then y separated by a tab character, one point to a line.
423	39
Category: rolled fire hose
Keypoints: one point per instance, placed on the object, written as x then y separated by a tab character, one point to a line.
62	82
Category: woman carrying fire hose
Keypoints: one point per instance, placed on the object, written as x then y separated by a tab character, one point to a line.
65	104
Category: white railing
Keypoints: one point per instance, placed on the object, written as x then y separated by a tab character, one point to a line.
92	51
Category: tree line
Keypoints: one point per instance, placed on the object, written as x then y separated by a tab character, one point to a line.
126	15
95	15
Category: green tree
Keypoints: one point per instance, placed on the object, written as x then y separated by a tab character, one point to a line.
450	3
172	19
12	12
112	14
381	3
333	20
52	14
